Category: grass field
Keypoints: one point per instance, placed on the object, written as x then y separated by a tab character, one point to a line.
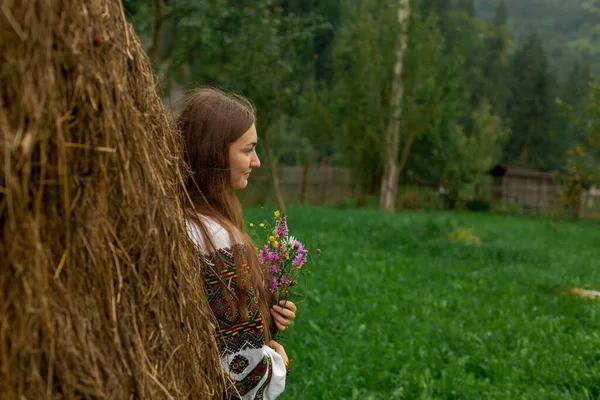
399	306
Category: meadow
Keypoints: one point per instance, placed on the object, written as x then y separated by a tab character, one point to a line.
440	305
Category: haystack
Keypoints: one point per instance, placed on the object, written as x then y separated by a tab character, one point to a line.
99	288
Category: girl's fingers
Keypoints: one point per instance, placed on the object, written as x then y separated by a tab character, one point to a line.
280	322
280	318
283	318
288	304
283	314
288	313
280	326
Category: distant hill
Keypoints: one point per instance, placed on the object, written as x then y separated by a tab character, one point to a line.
565	27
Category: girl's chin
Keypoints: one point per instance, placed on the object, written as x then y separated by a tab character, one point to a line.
242	183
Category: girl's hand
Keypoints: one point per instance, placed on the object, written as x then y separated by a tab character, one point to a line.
284	314
278	349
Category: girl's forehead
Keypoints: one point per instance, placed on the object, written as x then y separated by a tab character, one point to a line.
249	136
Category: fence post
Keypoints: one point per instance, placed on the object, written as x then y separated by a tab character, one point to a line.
304	182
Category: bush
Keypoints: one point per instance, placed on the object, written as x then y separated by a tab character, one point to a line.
478	205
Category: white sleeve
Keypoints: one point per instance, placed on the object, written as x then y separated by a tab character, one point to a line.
217	233
277	384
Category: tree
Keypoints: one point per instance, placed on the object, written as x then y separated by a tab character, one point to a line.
470	155
465	39
531	109
497	51
440	7
500	17
351	113
251	48
468	7
581	169
574	101
159	19
389	182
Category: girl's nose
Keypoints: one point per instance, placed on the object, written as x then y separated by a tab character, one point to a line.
255	161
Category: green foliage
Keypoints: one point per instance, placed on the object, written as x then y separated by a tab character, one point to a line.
476	90
498	49
468	7
250	48
581	169
480	150
365	41
395	309
478	205
570	28
532	110
465	135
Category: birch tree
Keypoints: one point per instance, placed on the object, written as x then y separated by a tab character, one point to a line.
389	182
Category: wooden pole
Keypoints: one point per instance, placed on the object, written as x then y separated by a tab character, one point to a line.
304	182
274	176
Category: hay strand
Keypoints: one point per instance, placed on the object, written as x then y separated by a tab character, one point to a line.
100	295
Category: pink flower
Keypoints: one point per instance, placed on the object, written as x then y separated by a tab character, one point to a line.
282	229
272	284
300	258
263	254
270	257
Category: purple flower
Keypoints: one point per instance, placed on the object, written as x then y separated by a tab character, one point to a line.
285	280
301	252
271	256
300	259
263	255
272	284
274	269
282	229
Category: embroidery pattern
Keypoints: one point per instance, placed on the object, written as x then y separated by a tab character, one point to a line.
261	392
222	285
238	364
254	377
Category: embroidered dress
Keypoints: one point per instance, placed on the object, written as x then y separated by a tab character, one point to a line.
257	371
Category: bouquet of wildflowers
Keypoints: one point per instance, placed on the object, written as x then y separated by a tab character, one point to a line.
282	259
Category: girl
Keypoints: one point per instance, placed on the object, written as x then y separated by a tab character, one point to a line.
220	149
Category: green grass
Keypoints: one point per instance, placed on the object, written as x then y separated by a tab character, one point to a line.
394	309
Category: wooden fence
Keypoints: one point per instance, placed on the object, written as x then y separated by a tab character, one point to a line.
334	186
312	185
590	204
542	199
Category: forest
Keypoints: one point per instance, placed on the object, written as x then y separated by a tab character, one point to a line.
483	82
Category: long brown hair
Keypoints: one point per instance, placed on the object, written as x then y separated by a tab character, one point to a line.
210	122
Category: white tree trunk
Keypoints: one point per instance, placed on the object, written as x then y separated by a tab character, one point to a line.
274	176
389	182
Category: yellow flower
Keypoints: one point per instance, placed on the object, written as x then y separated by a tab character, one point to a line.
287	256
276	243
271	238
262	225
277	214
251	224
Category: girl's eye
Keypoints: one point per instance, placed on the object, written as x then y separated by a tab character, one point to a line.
247	152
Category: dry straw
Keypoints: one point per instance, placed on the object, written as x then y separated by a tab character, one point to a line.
99	290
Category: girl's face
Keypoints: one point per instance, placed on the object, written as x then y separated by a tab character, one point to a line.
243	158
